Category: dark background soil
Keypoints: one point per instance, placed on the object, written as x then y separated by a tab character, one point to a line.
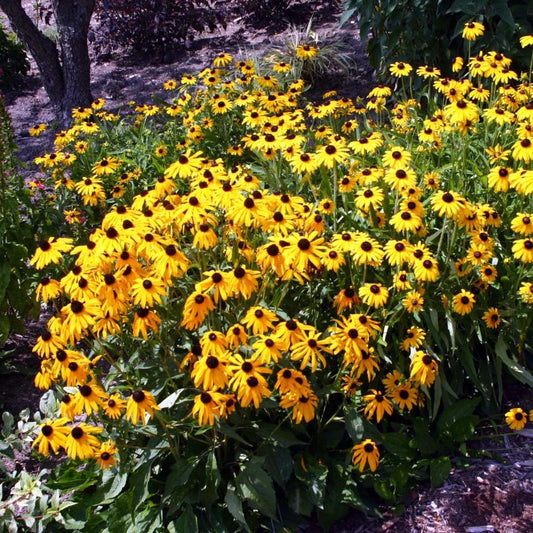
488	496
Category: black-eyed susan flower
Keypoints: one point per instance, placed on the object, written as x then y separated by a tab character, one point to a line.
107	455
53	436
140	403
413	302
516	418
207	406
377	404
404	395
424	368
106	166
253	390
522	150
89	398
374	294
51	251
114	406
473	30
522	223
400	69
310	350
303	405
463	302
211	371
259	319
197	307
81	442
145	320
492	318
243	282
523	250
306	51
365	453
185	166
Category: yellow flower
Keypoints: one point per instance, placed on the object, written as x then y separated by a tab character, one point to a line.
81	443
526	40
306	51
473	30
139	403
365	453
105	456
463	303
516	418
399	69
53	435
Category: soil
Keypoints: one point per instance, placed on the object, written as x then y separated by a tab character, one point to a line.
490	496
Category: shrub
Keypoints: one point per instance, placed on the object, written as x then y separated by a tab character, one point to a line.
272	309
427	32
13	60
153	27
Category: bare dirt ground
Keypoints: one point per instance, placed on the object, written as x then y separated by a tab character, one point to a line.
490	496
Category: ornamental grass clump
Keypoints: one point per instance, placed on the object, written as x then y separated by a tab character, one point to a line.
267	308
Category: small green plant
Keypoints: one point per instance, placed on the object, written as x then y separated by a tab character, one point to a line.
312	56
428	32
13	60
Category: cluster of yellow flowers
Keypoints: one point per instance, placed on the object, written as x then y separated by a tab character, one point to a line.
318	194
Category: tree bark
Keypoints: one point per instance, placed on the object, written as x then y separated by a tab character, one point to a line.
65	73
73	18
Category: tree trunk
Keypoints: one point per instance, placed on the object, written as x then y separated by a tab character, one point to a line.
66	80
73	18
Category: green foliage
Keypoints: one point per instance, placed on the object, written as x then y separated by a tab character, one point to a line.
13	61
427	32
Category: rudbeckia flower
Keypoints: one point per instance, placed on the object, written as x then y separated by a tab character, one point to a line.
374	294
473	30
81	443
365	453
53	435
516	418
424	368
51	251
463	303
106	456
303	405
139	403
400	68
377	404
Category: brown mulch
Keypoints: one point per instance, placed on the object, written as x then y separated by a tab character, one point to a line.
490	496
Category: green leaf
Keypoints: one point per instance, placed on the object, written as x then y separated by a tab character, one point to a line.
354	424
5	276
314	474
209	493
299	500
279	464
464	428
179	474
423	440
453	413
439	470
186	523
255	486
234	505
398	444
119	482
399	477
519	372
383	489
